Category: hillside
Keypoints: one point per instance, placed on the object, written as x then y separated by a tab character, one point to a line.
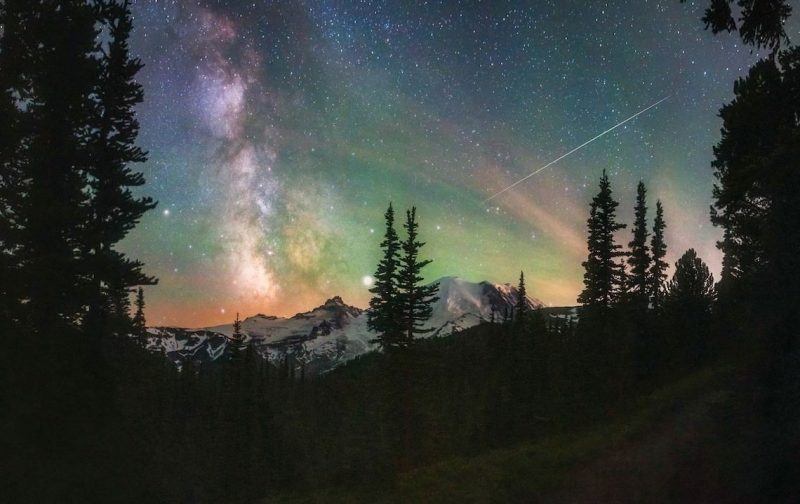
669	445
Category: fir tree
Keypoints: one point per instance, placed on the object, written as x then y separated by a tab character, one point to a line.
521	306
65	197
690	295
114	211
383	316
50	49
236	342
638	280
604	274
237	327
658	266
416	300
756	200
139	324
691	284
236	370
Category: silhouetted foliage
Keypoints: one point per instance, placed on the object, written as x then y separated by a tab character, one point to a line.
415	299
113	210
84	421
658	267
604	275
689	299
521	306
760	22
639	257
384	315
139	323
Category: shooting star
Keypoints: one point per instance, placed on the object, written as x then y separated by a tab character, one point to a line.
584	144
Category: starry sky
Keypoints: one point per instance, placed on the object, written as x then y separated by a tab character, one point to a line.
279	131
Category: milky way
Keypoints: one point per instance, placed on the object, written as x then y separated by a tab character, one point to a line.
279	131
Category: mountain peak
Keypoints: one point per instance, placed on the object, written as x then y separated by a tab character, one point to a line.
335	300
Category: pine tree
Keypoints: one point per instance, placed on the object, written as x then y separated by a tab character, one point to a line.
237	328
604	275
50	49
521	306
236	342
415	300
689	298
139	324
638	280
383	316
691	284
114	211
65	197
658	266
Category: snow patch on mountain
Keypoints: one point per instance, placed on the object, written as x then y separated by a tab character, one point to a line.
334	332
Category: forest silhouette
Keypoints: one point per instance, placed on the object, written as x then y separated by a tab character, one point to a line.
506	411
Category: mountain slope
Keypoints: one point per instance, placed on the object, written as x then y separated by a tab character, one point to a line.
334	332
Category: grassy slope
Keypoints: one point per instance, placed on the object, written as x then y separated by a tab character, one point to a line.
643	454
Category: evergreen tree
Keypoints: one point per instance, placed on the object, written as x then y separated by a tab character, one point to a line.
139	324
639	257
237	328
691	284
416	300
49	48
236	344
604	274
114	211
521	306
658	266
756	200
689	298
68	93
383	316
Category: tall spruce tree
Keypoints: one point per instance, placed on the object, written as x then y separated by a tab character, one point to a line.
416	300
757	204
658	267
114	210
521	306
639	257
69	80
236	346
604	274
138	322
383	316
50	48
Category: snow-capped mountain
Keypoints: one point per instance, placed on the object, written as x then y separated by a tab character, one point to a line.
334	332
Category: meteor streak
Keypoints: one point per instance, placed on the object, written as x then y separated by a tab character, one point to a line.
584	144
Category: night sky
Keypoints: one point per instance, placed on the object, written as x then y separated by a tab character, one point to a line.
279	131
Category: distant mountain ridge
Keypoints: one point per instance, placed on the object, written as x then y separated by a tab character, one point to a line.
334	332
